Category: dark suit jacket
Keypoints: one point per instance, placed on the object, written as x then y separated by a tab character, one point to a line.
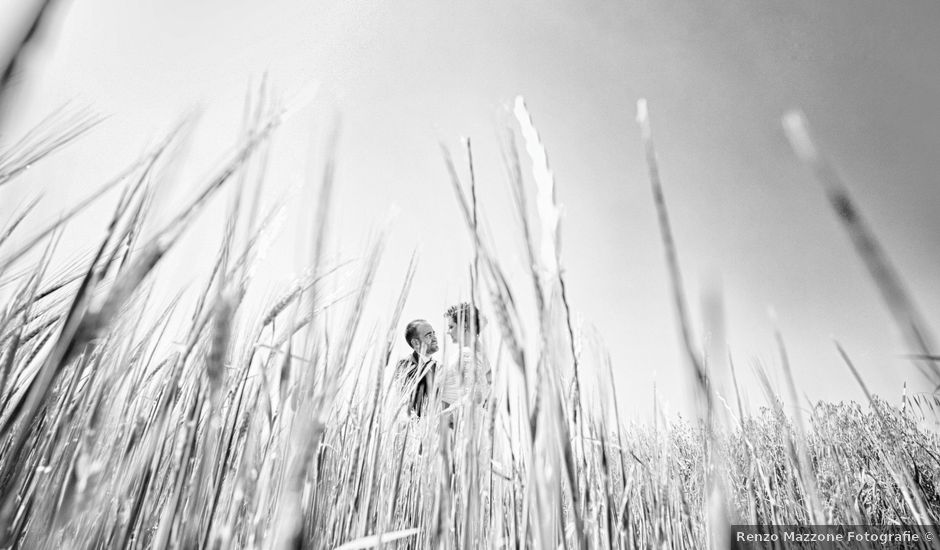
410	367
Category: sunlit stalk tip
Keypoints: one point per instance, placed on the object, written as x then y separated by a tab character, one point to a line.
797	130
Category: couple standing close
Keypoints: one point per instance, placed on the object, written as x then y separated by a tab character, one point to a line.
466	378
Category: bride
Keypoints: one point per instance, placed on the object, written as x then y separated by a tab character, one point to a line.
468	376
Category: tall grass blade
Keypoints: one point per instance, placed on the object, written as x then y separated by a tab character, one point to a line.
893	292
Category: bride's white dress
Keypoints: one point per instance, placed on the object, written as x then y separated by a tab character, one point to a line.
455	388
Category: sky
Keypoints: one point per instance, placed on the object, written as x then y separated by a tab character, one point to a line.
402	76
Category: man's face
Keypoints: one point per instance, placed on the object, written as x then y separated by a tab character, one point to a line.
426	340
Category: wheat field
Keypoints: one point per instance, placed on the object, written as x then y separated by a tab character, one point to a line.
277	426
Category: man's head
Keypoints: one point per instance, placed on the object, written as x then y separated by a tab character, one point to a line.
421	337
463	322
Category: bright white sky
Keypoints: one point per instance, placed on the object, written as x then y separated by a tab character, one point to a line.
403	75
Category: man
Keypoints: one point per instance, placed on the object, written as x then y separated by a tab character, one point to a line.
418	368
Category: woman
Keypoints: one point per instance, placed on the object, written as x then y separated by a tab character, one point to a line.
467	376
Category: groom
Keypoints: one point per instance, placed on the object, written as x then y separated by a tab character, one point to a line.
419	368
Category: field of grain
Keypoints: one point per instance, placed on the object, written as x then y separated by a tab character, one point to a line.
277	426
279	429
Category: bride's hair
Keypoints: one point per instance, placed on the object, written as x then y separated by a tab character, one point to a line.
461	314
